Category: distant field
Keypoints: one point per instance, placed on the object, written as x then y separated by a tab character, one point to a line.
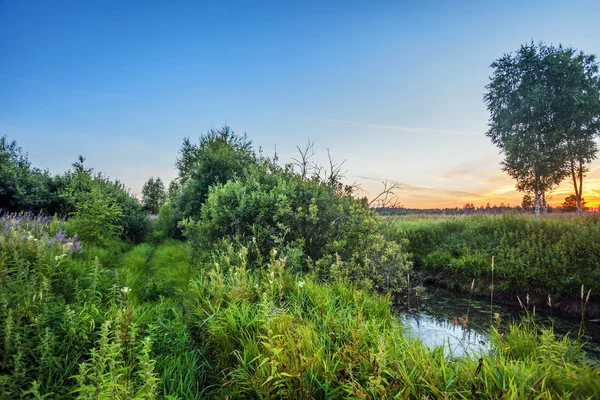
554	256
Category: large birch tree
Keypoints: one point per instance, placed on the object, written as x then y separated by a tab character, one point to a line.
543	116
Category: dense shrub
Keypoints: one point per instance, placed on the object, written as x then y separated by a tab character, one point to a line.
335	235
70	329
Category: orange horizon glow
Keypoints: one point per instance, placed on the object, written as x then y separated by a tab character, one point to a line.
495	190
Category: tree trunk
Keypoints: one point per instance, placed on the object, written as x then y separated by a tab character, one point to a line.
579	193
544	204
537	203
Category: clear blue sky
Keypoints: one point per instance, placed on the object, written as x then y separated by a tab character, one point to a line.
395	88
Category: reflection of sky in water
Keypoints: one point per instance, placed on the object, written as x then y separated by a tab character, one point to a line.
432	323
456	340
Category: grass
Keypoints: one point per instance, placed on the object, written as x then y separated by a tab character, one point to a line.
530	254
144	322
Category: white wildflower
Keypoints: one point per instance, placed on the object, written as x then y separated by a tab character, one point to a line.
125	290
301	283
59	257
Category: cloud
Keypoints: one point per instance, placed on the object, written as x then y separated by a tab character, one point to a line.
399	128
421	191
101	94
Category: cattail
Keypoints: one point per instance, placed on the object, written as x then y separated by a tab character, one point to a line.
588	295
549	301
527	298
520	302
472	284
581	292
534	310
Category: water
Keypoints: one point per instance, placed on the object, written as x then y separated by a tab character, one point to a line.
437	323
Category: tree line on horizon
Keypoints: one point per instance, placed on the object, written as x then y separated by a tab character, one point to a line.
544	104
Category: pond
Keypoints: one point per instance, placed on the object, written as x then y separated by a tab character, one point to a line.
437	322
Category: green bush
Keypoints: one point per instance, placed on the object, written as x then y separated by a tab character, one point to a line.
96	219
334	235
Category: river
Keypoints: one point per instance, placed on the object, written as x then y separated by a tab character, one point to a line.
436	322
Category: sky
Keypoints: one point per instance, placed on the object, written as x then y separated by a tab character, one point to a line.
393	88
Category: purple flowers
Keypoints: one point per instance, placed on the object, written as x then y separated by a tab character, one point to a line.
39	229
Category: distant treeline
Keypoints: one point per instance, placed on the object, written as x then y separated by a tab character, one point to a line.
467	210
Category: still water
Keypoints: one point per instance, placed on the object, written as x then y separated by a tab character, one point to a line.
436	322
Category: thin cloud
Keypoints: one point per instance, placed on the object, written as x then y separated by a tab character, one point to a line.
399	128
100	94
422	190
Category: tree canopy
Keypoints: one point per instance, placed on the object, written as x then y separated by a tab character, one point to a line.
544	105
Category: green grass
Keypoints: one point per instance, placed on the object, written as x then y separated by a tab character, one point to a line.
145	322
272	337
545	256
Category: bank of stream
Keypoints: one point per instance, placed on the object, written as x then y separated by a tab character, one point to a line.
438	320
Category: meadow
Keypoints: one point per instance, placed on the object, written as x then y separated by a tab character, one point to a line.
553	260
253	281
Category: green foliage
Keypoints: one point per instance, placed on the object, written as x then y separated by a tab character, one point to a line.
22	187
86	325
545	107
219	156
273	336
82	188
96	219
530	254
335	234
153	195
69	328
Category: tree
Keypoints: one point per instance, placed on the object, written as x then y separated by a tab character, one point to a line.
573	203
521	101
153	195
575	109
528	203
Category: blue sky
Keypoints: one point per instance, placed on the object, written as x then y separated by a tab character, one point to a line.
394	88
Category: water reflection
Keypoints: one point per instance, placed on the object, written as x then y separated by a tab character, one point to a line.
437	322
455	339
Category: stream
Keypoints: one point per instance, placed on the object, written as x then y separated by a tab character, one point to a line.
436	323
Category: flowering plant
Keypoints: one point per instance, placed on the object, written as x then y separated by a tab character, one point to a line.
28	229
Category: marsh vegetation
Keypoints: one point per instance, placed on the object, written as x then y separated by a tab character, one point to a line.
259	281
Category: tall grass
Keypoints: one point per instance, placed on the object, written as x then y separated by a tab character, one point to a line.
273	336
540	256
144	323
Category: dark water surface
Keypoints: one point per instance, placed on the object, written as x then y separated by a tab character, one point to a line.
436	322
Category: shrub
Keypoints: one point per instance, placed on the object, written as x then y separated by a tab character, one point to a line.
96	218
335	234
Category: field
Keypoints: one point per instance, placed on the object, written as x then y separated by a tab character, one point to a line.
554	257
253	280
146	322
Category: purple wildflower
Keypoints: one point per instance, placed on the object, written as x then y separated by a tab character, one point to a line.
60	236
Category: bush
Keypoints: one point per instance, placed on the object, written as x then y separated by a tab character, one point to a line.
333	234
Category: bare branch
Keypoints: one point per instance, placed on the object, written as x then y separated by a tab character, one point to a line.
387	197
304	162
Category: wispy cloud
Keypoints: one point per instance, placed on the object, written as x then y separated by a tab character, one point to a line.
100	94
400	128
422	191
